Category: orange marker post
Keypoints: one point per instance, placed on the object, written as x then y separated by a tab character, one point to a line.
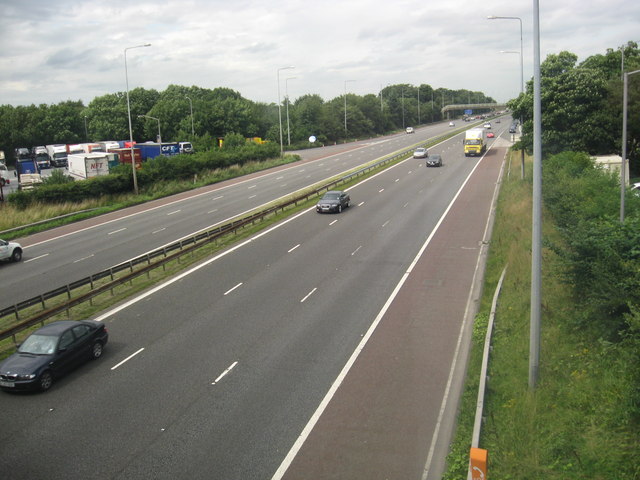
479	459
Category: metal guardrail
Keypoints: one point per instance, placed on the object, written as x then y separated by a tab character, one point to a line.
178	248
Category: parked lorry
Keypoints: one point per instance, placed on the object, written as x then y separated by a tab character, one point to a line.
152	150
475	142
58	154
124	155
88	165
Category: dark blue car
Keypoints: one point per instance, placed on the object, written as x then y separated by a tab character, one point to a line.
50	352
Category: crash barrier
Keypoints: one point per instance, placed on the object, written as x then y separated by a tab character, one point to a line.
162	256
478	457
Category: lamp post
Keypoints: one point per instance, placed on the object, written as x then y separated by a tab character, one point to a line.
286	94
86	135
191	107
133	160
402	103
157	120
418	104
494	17
280	109
623	176
345	105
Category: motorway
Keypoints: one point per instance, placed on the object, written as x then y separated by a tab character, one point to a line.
54	258
216	373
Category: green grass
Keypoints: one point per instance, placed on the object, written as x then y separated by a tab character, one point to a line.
573	424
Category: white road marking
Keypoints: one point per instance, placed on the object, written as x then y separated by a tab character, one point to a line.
175	211
232	289
158	231
84	258
127	359
116	231
293	248
36	258
356	250
308	295
335	221
222	375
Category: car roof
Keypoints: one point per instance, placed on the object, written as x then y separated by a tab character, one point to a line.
55	328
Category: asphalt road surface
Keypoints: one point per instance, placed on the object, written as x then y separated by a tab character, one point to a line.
329	346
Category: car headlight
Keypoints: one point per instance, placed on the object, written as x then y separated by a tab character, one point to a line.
26	376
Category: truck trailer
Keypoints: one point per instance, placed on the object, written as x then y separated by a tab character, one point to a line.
57	154
150	150
475	142
88	165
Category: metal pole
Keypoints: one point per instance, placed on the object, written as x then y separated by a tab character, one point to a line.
345	106
86	135
133	160
402	95
623	164
280	109
418	104
536	238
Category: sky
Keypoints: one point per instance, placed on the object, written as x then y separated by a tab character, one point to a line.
57	50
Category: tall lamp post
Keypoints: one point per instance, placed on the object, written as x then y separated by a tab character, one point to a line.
623	176
345	105
280	109
191	107
133	160
286	94
157	120
494	17
86	134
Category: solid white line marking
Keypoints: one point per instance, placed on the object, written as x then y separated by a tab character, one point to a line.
35	258
232	289
116	231
221	376
293	248
308	295
127	359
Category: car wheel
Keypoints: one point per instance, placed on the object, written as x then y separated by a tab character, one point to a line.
340	208
96	350
46	380
16	256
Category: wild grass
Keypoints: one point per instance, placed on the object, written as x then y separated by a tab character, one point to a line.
574	424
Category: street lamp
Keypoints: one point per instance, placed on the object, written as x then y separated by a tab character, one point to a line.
345	105
494	17
157	120
623	176
191	107
126	74
279	108
286	94
402	96
86	135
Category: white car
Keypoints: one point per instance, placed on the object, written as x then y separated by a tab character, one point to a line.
10	251
5	177
420	153
451	124
410	130
487	125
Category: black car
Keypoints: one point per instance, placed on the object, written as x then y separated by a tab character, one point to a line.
333	201
52	351
434	160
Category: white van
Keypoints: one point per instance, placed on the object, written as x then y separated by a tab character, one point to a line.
5	176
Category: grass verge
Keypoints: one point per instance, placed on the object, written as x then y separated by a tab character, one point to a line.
568	427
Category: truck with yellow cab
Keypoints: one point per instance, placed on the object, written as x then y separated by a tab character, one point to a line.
475	142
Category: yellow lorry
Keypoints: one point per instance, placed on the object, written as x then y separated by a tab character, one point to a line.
475	142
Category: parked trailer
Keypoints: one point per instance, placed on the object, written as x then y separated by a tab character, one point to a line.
88	165
58	154
124	155
152	150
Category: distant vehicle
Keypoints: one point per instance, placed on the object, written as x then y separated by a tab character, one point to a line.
88	165
474	142
420	152
490	135
52	351
29	181
409	130
10	251
333	201
635	188
43	160
58	155
434	160
451	124
22	153
487	125
512	128
150	150
497	120
5	177
185	147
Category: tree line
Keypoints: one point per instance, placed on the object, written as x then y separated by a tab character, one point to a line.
582	104
223	111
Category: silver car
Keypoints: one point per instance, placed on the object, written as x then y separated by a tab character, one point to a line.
420	153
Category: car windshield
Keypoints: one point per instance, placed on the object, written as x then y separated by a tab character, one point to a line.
39	345
331	196
472	142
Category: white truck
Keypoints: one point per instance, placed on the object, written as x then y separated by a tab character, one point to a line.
475	142
88	165
57	154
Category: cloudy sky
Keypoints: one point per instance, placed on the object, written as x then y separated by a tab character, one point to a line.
57	50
